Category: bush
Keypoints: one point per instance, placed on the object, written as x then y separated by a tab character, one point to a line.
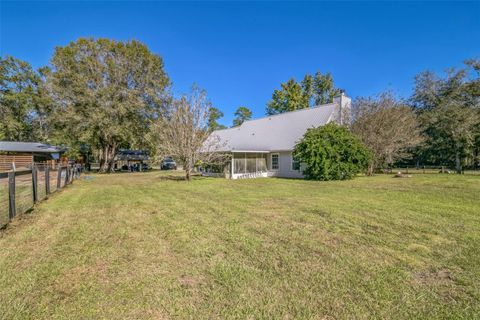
331	152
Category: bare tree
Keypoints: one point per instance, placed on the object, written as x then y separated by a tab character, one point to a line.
184	133
387	126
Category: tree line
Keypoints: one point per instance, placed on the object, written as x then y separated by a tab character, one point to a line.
96	96
99	95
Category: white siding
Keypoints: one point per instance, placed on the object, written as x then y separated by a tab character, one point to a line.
285	166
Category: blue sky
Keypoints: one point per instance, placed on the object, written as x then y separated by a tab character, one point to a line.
241	51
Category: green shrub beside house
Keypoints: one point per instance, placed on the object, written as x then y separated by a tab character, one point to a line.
331	152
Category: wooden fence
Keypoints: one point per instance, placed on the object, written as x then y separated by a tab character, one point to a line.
426	170
20	190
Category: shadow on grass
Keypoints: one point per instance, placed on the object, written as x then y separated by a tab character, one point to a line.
173	177
119	172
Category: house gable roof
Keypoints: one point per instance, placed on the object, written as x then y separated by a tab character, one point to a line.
273	133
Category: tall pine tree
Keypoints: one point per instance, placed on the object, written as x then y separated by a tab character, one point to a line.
311	91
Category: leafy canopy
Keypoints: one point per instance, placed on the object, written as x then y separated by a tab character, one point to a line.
107	94
449	111
241	115
311	91
331	152
18	99
213	115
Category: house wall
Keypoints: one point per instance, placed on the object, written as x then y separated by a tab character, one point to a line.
285	166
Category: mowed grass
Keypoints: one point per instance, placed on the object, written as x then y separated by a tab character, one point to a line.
148	246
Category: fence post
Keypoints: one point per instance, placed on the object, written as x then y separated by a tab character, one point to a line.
66	176
34	183
424	169
47	180
11	194
59	176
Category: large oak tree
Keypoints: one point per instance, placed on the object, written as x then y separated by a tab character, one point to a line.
106	94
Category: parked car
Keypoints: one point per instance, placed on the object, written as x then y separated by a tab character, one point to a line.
168	164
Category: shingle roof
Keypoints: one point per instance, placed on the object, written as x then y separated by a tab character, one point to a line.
36	147
273	133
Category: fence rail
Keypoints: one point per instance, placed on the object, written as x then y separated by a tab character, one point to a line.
20	190
426	170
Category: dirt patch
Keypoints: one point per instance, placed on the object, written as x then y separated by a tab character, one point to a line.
334	241
433	277
190	281
70	281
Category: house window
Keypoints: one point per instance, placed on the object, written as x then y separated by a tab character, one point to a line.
295	164
274	164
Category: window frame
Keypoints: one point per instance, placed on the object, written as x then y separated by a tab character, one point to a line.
292	163
271	161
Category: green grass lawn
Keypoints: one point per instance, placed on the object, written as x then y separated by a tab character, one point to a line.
145	246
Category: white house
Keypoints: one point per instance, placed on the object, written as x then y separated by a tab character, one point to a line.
263	147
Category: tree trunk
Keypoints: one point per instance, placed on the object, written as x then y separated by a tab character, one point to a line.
107	162
111	166
370	169
458	164
102	163
111	159
111	152
104	160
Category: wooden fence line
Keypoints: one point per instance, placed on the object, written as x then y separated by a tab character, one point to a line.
65	174
425	169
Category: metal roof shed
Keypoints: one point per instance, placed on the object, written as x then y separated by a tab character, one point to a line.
23	154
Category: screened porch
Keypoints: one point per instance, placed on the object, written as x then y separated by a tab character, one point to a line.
249	164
